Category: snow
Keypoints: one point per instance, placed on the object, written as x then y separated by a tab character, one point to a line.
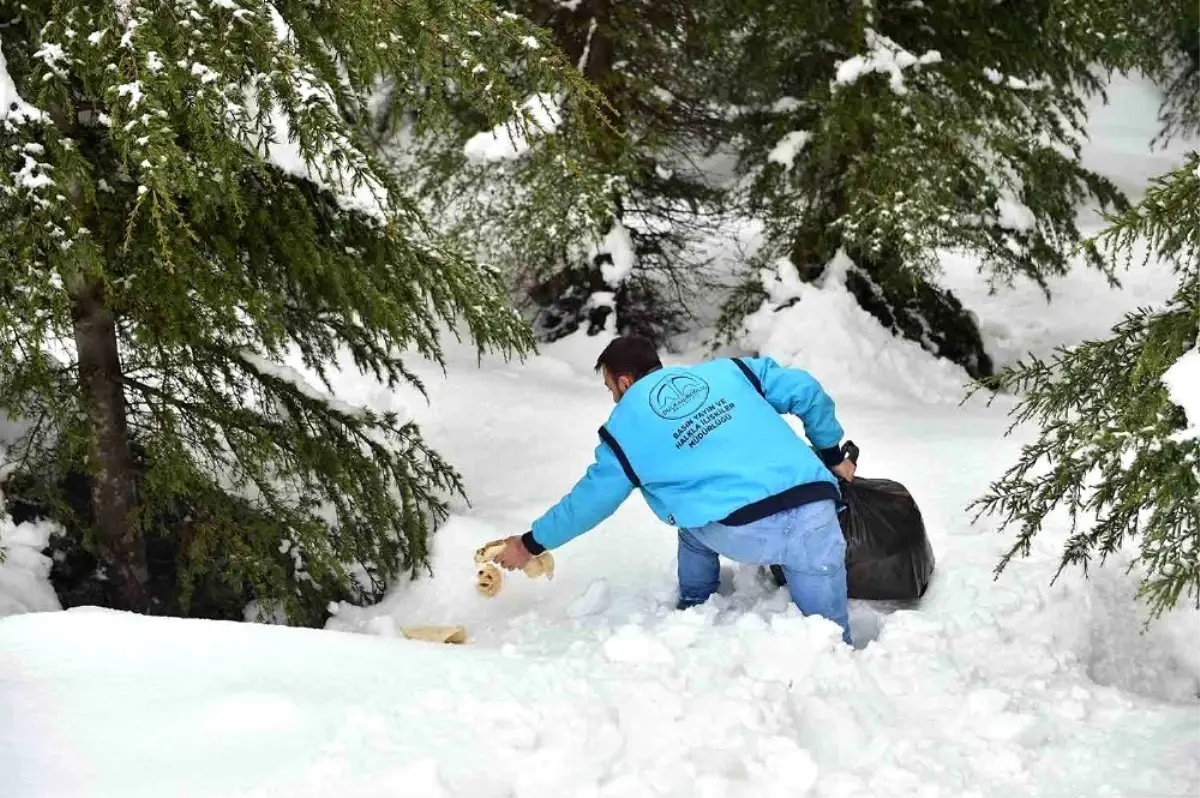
133	91
883	56
1119	133
508	140
286	373
13	108
788	148
1183	385
32	175
1014	214
336	165
618	245
997	77
821	326
281	150
1018	320
24	569
592	685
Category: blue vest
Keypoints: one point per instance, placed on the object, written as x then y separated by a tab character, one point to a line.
706	443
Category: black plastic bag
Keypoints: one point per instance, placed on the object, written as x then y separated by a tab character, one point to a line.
888	556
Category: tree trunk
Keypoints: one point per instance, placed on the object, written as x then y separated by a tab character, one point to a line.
118	531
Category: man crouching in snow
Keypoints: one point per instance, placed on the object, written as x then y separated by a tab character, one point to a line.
712	456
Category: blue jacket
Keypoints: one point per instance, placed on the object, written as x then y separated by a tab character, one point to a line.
705	443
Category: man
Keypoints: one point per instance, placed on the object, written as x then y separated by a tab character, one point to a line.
712	456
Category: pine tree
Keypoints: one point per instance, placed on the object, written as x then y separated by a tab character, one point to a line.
1111	446
614	244
1175	63
897	129
190	195
1113	449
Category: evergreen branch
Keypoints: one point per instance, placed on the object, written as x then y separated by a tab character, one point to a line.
1108	448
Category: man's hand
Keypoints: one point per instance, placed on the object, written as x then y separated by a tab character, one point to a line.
845	469
515	556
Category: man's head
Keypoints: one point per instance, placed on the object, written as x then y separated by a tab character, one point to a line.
625	361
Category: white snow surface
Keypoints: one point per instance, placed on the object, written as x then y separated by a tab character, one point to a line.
821	327
24	568
591	684
1183	386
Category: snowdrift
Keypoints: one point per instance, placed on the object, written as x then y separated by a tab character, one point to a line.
821	328
24	569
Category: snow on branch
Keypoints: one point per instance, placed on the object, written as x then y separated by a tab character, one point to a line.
339	167
33	175
13	109
996	77
508	140
883	56
287	374
618	245
788	148
1182	381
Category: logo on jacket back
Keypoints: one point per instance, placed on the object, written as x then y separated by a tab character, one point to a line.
678	395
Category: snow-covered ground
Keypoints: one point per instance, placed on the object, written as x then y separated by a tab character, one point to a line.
590	684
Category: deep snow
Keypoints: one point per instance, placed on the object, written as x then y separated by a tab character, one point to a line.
590	685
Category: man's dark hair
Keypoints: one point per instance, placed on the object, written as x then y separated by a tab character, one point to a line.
629	355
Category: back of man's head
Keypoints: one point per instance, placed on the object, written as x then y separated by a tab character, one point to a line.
629	355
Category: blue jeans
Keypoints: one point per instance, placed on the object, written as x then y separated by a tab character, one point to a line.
806	541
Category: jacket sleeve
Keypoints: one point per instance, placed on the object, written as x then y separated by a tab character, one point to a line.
792	390
596	496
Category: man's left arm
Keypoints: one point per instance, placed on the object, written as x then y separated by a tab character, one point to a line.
596	496
795	391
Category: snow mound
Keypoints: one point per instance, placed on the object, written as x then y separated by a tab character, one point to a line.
24	570
1161	661
821	328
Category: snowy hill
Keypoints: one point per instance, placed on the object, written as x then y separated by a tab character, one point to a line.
591	685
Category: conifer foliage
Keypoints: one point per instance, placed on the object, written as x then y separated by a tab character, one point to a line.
601	234
1176	66
1112	447
188	195
645	269
893	129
